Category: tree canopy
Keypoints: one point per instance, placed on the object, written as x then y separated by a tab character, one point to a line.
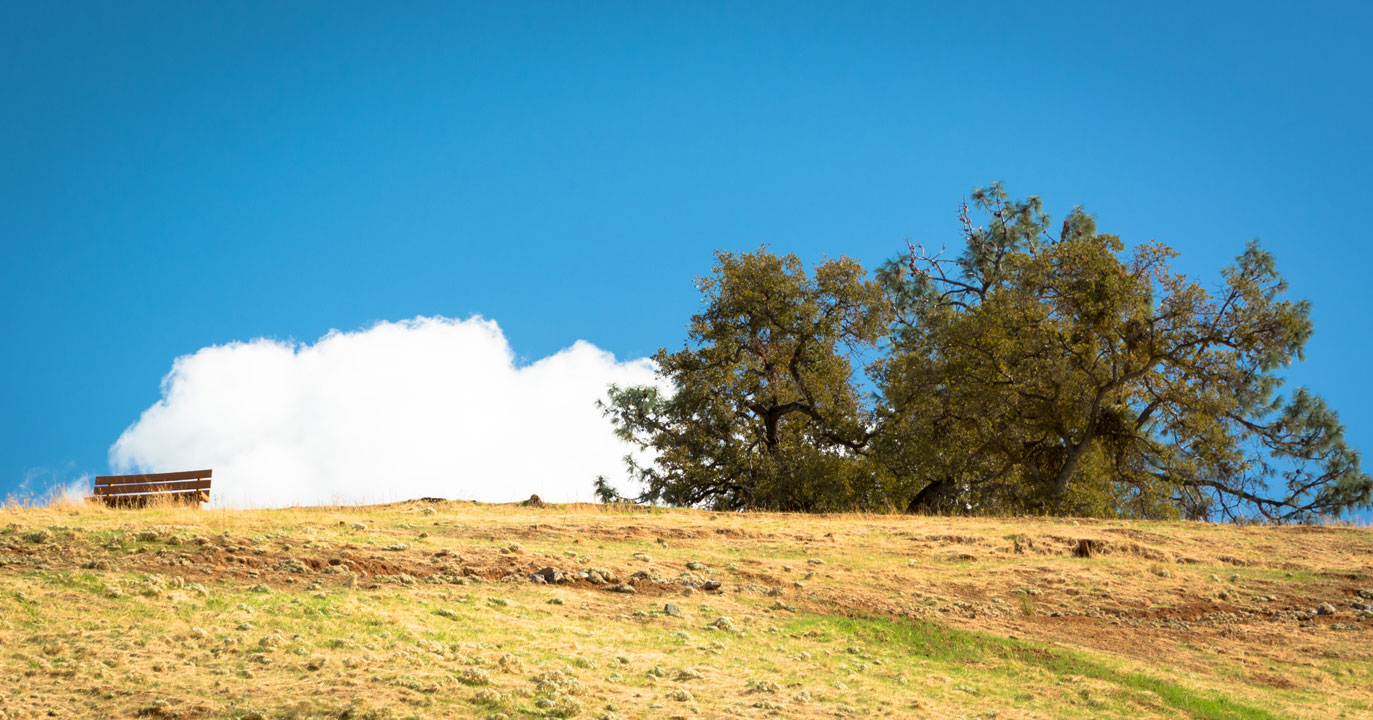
1034	372
766	411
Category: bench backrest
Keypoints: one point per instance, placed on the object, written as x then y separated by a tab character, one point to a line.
192	486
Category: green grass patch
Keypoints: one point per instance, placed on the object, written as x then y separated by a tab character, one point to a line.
951	646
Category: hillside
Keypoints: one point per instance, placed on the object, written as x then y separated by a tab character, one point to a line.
426	609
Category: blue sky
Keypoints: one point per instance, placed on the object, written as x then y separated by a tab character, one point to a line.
177	175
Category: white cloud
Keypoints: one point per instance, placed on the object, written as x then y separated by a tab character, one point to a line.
425	407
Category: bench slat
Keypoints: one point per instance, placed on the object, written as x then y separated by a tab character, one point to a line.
152	477
152	487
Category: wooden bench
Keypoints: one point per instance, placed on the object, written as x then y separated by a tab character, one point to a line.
192	486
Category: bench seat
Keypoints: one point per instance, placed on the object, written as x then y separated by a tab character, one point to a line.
189	487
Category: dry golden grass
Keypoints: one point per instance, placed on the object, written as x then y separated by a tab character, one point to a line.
426	610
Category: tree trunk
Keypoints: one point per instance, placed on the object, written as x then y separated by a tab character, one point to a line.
770	438
1065	473
1075	453
931	498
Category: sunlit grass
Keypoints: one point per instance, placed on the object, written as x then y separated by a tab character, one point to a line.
111	613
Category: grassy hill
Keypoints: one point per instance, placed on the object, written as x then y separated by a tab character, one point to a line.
426	610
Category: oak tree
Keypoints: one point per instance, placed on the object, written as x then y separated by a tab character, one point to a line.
1061	373
766	409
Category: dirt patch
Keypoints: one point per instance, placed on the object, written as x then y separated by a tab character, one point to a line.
951	540
1273	681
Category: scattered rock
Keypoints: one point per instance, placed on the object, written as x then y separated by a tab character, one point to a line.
711	585
291	565
672	610
622	588
549	575
600	576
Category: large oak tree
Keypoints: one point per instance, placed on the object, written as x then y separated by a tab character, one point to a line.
1060	373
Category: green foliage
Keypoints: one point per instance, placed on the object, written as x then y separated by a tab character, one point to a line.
605	492
1064	375
1032	373
765	412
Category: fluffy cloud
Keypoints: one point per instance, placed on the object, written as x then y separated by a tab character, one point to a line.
424	407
